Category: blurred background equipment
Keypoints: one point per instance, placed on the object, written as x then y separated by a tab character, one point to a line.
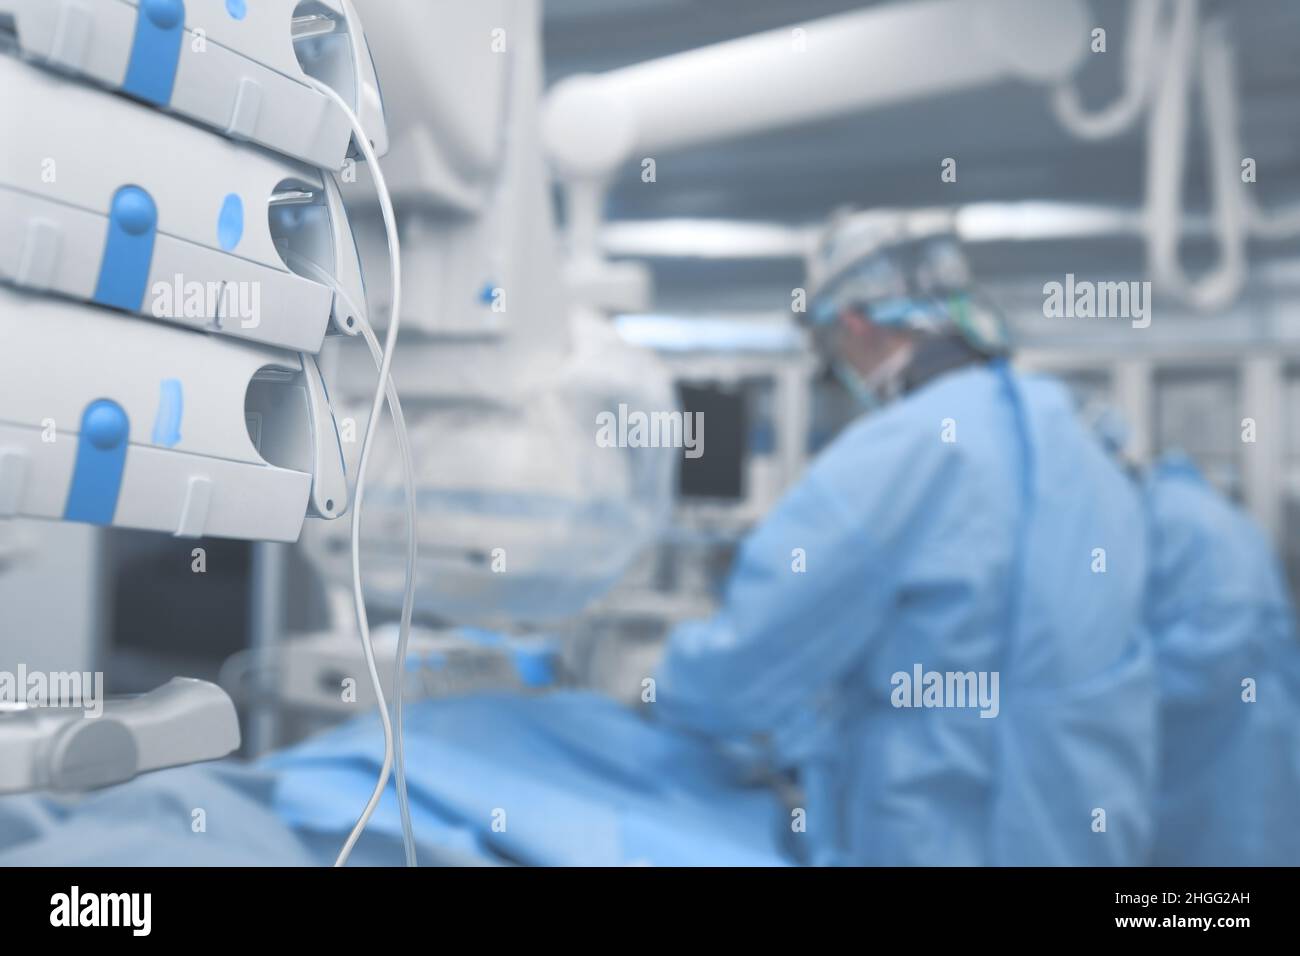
605	203
1050	180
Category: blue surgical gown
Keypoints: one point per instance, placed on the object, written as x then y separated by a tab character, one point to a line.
1225	632
973	526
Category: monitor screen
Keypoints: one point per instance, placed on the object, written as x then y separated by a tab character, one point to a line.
718	473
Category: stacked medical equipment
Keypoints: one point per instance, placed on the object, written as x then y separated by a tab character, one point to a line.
165	161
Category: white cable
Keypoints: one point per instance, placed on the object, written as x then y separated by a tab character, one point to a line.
408	588
408	594
390	340
1166	160
1120	114
1168	90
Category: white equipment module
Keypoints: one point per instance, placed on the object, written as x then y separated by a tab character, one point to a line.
135	421
182	230
163	162
238	67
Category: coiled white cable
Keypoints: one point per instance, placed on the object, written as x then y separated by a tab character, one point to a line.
390	340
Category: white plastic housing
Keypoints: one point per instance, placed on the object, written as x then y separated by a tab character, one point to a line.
241	76
191	465
69	149
62	749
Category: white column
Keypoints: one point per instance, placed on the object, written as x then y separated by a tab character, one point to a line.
1261	460
1131	387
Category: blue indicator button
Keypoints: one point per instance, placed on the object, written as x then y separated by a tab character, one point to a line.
163	14
104	424
134	210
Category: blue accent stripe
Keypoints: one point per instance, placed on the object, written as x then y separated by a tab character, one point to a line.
128	250
101	459
155	51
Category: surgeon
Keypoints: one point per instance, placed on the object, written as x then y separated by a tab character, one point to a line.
938	633
1229	666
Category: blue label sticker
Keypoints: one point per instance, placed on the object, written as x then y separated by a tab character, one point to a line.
230	223
171	406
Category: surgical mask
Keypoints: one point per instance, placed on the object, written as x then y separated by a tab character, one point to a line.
853	383
882	385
